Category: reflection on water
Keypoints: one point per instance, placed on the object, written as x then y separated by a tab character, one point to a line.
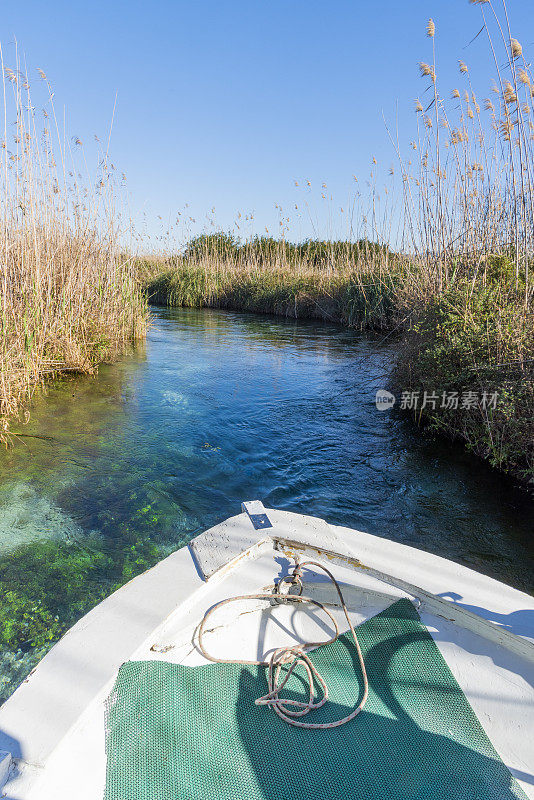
112	473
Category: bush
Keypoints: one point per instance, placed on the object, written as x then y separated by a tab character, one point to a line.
478	339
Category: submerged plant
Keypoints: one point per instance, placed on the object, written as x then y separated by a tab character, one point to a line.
46	586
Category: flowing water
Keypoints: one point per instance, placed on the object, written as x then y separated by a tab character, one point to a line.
114	472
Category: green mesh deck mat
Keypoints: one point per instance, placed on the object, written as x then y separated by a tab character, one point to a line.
194	733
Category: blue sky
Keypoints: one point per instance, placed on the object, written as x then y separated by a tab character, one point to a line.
226	104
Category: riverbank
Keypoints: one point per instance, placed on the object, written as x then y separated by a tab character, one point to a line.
466	361
361	285
67	313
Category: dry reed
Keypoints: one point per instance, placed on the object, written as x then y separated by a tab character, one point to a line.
470	194
68	297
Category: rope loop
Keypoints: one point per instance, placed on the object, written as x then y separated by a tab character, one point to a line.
295	656
291	580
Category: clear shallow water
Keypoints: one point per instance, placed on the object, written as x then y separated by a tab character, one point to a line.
218	408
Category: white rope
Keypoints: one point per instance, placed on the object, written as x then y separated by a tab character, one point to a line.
294	656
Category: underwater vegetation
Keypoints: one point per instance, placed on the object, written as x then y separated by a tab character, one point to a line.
47	585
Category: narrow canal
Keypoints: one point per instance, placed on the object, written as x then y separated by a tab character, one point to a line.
116	471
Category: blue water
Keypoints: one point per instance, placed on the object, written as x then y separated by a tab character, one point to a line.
218	408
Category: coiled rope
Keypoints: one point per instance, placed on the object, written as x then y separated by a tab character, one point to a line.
294	656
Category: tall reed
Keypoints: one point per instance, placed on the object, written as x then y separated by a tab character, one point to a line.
68	297
468	185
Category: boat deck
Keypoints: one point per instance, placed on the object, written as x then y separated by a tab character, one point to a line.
54	724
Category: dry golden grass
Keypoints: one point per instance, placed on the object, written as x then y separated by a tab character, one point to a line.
68	297
469	216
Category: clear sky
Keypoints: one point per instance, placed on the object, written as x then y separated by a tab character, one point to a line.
224	104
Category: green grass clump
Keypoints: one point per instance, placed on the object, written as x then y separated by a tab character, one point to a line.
477	337
357	301
266	250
